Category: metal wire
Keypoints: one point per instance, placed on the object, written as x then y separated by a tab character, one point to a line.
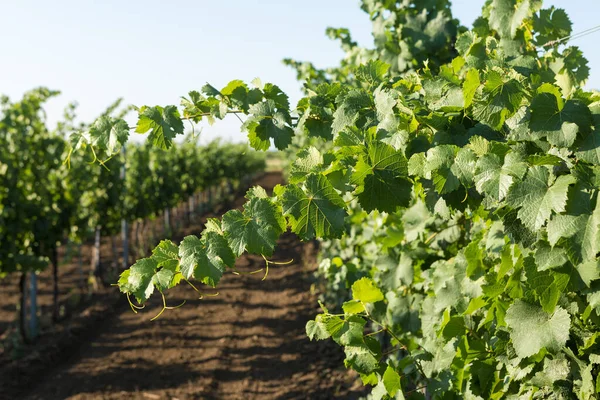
572	37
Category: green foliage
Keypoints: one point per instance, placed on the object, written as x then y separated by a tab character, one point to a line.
256	229
453	177
164	124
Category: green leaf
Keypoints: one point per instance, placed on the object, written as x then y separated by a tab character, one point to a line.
554	370
109	134
470	86
237	95
558	125
551	24
391	381
495	174
316	210
166	255
538	197
361	359
464	166
505	18
268	121
452	326
164	279
315	330
589	148
416	165
349	109
415	220
532	329
380	179
548	286
580	227
474	254
256	230
353	307
210	90
589	271
373	72
440	166
444	96
307	161
206	259
365	291
498	98
137	280
165	124
324	326
274	93
547	257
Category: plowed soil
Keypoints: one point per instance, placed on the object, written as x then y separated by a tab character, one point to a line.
246	343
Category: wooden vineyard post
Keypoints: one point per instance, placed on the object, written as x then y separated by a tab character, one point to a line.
124	227
96	265
33	322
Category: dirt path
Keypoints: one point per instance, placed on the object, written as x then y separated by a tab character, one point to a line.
247	343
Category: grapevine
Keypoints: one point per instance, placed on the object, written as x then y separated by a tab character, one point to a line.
45	203
455	180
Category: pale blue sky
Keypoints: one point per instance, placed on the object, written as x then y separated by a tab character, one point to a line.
152	52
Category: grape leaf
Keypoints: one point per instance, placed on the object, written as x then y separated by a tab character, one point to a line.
373	72
505	18
380	179
391	381
324	326
558	125
138	280
365	290
532	329
349	109
440	165
361	359
165	279
315	211
109	134
498	98
580	227
268	121
353	307
316	330
165	124
256	229
307	161
205	259
589	147
551	24
495	174
537	197
547	257
470	86
165	255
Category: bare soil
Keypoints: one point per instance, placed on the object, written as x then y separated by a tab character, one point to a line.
246	343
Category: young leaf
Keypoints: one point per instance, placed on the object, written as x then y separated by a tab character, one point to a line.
365	291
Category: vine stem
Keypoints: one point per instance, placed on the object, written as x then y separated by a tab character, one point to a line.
375	333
